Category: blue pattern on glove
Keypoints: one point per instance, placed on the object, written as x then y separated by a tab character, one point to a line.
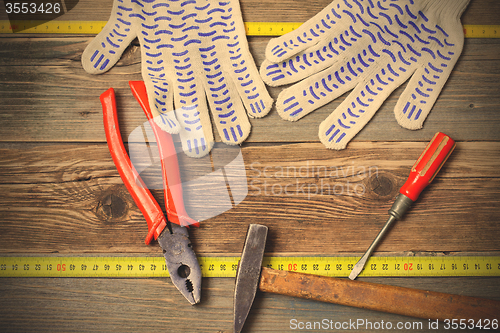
372	46
190	49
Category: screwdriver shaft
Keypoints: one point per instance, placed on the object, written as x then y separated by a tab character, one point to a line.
362	262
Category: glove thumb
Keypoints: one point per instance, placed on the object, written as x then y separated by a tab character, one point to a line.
106	48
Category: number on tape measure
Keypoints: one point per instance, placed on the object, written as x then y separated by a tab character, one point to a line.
482	31
270	28
52	27
252	28
142	267
82	267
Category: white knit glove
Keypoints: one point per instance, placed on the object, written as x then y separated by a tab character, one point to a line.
191	50
370	47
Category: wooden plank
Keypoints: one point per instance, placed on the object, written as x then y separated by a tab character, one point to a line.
132	305
64	194
43	81
477	11
46	96
61	198
483	11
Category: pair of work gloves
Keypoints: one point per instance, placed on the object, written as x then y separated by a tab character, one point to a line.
195	58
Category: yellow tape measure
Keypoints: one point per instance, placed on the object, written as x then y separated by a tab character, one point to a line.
52	27
252	28
144	267
481	31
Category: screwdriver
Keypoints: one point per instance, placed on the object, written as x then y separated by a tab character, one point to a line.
422	173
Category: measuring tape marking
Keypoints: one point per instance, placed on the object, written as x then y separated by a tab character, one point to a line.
145	267
252	28
481	31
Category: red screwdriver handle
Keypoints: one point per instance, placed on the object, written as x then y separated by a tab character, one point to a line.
428	165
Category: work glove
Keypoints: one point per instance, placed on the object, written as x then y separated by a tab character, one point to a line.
370	47
191	51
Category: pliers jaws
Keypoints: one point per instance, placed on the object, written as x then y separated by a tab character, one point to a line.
181	260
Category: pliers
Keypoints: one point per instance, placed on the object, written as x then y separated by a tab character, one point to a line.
171	232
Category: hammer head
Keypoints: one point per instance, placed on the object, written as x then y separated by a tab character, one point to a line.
247	278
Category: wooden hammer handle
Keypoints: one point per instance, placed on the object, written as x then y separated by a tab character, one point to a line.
365	295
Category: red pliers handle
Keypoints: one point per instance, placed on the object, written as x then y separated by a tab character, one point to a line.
174	201
142	196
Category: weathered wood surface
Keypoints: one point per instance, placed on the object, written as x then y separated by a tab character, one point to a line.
61	198
132	305
478	11
60	192
43	85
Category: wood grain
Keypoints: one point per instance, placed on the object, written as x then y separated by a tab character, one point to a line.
409	302
60	192
72	196
131	305
44	82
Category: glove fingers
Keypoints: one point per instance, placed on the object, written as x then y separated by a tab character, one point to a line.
359	107
106	48
250	86
191	110
422	91
341	45
225	103
161	101
306	96
227	108
237	61
196	129
307	35
302	65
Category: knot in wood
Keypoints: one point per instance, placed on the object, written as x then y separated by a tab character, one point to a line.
111	206
381	185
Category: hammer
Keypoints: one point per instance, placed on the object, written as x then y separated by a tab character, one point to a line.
365	295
